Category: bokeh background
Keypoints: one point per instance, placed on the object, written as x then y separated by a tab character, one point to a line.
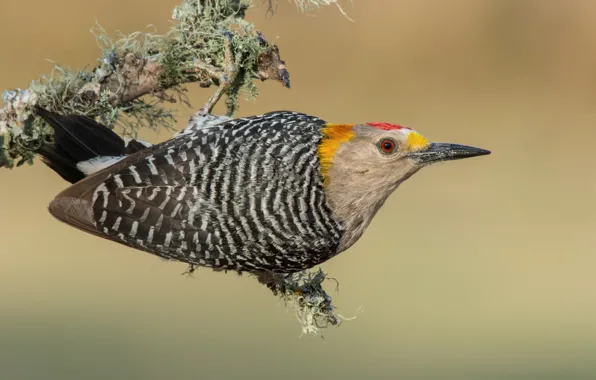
477	269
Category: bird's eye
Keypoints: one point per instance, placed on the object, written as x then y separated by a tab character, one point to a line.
387	146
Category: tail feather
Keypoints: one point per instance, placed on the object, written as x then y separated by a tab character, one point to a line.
77	139
60	163
83	137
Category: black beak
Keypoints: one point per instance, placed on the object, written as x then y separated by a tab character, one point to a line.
437	152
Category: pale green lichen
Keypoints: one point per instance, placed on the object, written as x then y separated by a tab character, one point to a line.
199	34
310	5
303	291
203	31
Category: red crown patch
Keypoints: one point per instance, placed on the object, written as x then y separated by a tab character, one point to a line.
387	126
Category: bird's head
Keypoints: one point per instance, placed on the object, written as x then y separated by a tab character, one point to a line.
377	157
363	164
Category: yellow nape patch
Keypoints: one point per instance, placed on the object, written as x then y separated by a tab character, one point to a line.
333	136
416	141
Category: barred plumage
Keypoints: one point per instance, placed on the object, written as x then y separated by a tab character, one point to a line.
218	197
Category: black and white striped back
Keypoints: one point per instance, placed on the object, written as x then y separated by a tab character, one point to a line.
243	195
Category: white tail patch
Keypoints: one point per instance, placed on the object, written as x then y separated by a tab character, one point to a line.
96	164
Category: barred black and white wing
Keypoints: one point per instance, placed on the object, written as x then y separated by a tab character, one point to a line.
243	195
82	147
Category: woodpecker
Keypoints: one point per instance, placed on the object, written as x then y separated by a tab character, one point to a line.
280	192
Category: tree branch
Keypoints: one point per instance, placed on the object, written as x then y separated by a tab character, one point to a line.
210	43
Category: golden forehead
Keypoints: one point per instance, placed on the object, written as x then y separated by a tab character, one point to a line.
416	141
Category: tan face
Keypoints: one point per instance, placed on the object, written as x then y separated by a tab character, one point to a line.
387	156
380	157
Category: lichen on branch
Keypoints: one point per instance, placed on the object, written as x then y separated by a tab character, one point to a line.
308	5
304	292
210	43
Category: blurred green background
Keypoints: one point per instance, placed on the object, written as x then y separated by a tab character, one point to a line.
477	269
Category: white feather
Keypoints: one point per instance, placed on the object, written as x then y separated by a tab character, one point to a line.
96	164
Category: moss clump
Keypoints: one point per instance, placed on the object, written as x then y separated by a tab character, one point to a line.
304	292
